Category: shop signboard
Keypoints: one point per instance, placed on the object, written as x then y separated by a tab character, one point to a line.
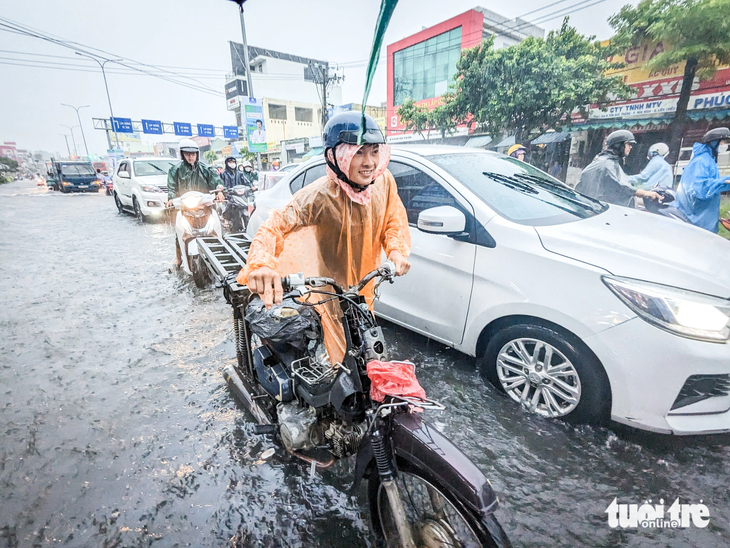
252	114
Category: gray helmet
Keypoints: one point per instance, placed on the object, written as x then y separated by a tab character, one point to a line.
717	134
619	137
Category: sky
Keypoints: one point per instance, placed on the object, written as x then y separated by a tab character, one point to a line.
190	39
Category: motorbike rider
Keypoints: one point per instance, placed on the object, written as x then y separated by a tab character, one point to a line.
231	176
605	179
189	175
337	226
517	151
657	173
248	176
698	195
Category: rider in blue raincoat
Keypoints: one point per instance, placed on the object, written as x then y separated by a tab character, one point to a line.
698	195
657	173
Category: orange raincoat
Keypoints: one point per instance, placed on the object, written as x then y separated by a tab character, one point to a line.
322	232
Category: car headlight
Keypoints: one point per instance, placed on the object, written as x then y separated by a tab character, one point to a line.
148	188
66	183
679	311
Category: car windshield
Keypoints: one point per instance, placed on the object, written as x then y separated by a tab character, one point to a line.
70	170
144	168
518	191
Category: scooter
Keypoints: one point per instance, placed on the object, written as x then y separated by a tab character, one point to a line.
423	491
238	207
196	217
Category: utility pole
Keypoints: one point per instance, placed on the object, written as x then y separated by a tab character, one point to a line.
323	76
71	129
108	98
80	125
248	80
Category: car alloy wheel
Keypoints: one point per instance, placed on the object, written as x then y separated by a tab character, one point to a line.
138	211
539	377
118	202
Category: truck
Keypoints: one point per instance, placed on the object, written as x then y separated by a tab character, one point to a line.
73	176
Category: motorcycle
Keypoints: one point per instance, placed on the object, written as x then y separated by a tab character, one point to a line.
196	217
662	207
109	187
422	490
238	207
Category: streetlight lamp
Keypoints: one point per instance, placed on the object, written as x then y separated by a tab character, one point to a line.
111	111
71	129
81	126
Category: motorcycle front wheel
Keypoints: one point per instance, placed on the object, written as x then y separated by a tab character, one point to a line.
437	518
201	275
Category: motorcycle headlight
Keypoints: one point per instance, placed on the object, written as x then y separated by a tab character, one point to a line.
191	202
679	311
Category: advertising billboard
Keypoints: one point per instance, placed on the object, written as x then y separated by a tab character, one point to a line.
252	114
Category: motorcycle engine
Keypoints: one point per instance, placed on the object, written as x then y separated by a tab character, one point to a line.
344	439
296	426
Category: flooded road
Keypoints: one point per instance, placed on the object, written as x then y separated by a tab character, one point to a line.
118	429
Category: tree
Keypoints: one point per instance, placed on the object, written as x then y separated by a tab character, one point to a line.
697	33
12	164
534	85
210	156
419	119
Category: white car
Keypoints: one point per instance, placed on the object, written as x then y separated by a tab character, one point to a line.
574	308
140	186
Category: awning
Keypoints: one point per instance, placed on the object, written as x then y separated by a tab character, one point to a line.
551	137
478	141
709	114
508	142
314	152
619	123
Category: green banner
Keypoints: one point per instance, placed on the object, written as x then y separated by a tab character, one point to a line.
386	11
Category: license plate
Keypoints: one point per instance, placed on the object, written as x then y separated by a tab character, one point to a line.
83	186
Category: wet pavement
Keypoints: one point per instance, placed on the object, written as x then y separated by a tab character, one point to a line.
118	429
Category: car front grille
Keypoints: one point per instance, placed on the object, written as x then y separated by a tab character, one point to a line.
702	387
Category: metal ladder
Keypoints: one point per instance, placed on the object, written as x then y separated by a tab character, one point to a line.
225	256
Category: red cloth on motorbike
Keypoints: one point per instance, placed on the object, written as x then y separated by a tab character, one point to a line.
393	379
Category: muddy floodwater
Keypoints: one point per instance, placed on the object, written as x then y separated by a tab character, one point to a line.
117	428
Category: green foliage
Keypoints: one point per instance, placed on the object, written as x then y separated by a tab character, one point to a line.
692	29
533	85
420	119
12	164
210	156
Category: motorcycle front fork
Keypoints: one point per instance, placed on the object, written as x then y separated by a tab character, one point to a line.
386	470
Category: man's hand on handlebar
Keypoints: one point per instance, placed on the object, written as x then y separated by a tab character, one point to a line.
266	283
649	194
402	266
168	204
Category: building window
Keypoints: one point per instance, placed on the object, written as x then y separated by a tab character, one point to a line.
277	112
302	114
424	70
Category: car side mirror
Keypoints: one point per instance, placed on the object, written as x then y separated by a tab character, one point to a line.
442	220
123	175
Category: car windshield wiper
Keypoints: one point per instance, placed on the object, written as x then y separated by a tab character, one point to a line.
515	184
158	168
564	191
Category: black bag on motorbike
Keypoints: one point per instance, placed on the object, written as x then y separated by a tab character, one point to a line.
290	322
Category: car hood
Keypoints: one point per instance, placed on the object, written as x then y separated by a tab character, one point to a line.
157	180
636	244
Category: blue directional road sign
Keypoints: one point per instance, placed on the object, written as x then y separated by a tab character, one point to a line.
206	130
153	127
123	125
181	128
230	132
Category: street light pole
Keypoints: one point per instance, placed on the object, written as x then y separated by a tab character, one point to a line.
71	128
65	137
80	125
108	98
248	80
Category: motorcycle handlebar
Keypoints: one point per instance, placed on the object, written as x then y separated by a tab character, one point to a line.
385	270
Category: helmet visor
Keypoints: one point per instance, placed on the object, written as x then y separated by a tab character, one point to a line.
369	137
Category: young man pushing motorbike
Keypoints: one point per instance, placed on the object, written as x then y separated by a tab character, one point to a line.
336	227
